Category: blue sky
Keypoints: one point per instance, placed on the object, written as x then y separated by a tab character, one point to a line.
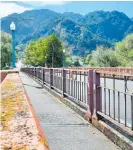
82	7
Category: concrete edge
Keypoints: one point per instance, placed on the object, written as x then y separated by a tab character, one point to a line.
4	73
41	133
117	138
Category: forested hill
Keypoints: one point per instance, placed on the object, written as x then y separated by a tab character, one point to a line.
79	33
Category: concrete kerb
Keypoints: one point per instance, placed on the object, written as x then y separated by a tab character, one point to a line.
3	73
116	137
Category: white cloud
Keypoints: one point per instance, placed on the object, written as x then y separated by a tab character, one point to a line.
44	3
9	8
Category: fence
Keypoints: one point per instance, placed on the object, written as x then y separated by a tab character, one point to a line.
103	96
119	70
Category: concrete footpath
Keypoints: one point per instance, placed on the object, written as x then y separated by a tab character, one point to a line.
63	128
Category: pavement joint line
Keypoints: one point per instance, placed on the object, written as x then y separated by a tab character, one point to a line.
67	124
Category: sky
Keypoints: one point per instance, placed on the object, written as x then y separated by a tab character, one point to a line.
82	7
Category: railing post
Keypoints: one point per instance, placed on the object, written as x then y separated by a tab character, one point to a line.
51	77
90	93
97	95
35	72
132	111
42	75
63	82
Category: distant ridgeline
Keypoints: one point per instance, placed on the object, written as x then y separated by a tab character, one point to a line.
80	34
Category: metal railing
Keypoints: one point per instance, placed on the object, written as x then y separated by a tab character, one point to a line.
102	93
120	70
117	98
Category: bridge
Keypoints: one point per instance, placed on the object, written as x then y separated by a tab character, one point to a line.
103	98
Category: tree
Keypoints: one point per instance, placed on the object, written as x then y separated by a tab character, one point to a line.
76	63
39	52
54	48
68	62
124	51
5	44
103	57
34	53
88	58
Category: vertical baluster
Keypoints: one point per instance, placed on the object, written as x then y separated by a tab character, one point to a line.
119	107
125	97
76	87
84	87
109	100
132	112
69	82
74	84
80	85
114	94
104	94
83	92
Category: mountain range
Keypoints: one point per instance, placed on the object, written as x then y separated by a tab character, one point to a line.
80	34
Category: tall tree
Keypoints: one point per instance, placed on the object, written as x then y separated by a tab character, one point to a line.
103	57
124	51
5	45
54	49
41	51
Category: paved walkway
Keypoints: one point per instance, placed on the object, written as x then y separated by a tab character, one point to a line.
64	129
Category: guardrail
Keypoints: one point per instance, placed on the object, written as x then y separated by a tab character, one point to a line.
100	95
120	70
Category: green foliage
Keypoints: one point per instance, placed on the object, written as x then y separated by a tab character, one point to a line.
103	57
124	51
39	52
68	62
34	53
122	55
76	63
5	45
88	58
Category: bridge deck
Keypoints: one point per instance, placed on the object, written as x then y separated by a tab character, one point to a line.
64	129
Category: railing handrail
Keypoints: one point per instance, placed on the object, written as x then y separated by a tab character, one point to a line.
115	73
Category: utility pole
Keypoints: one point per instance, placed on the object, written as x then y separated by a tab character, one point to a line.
52	54
63	57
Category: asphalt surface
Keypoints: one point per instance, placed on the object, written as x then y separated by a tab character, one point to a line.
64	129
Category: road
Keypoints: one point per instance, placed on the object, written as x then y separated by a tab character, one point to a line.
64	129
